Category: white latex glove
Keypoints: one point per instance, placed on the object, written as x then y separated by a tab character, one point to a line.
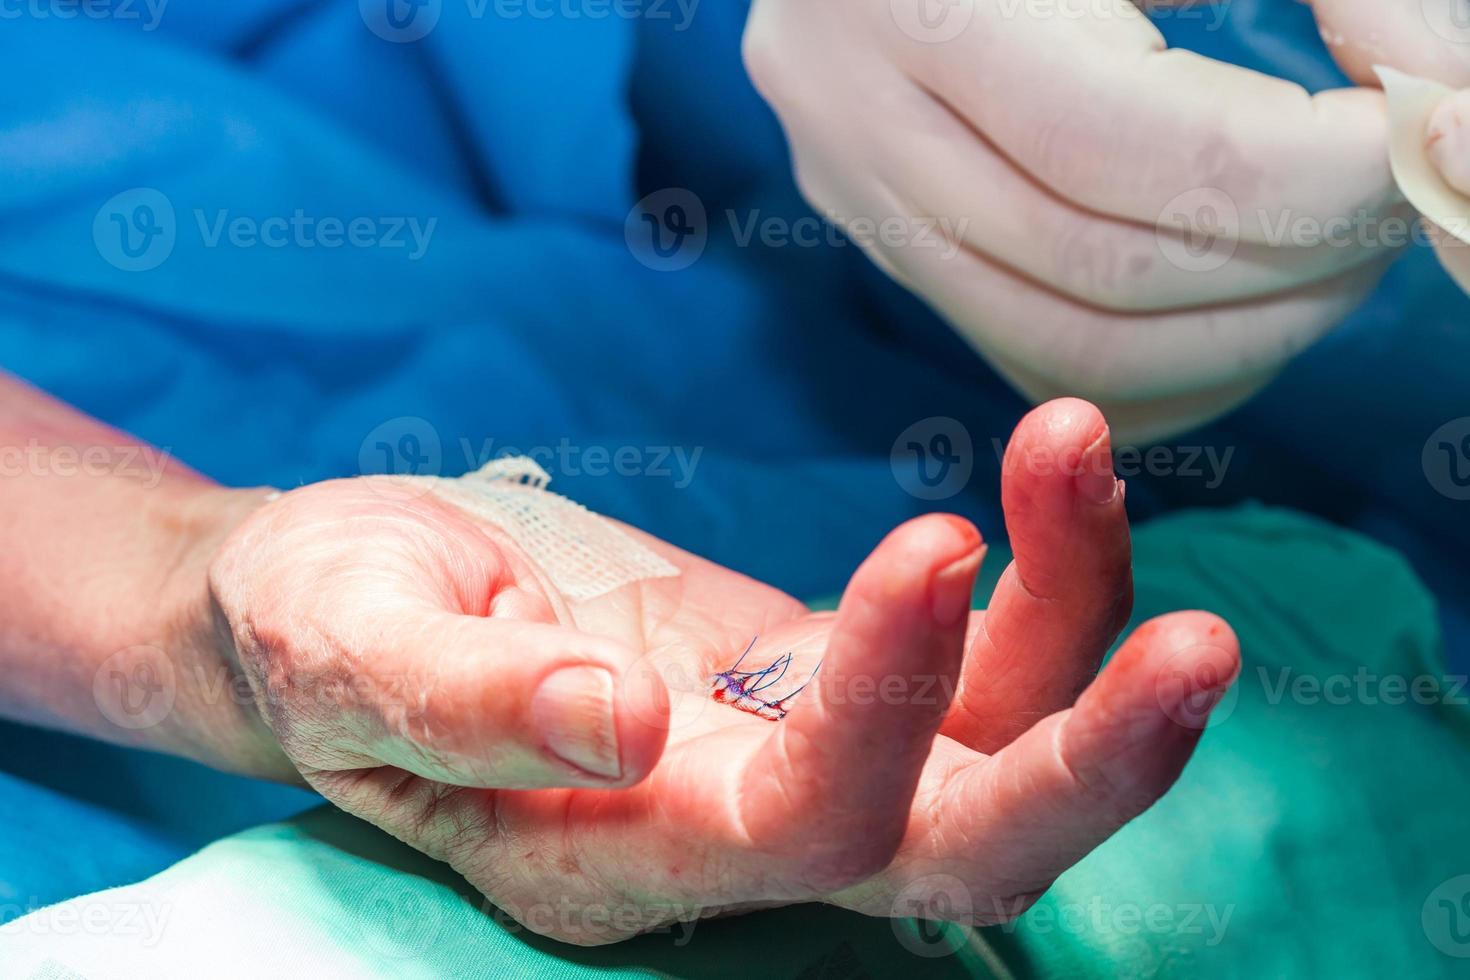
1129	213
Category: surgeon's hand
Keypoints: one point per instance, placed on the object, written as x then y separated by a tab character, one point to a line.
937	761
1141	226
1447	145
1424	38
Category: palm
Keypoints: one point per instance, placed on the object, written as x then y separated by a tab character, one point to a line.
934	751
684	630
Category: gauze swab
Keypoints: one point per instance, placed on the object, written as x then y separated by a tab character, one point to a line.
1413	104
583	554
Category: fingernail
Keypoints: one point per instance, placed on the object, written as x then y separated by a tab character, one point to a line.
954	587
1095	479
575	712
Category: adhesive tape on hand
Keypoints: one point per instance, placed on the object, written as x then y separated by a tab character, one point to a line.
583	554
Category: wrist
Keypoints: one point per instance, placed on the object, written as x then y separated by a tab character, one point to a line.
213	717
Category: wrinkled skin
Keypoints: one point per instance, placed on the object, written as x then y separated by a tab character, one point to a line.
936	751
1141	226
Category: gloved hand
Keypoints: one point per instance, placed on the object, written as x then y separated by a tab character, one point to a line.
1447	144
1430	149
1143	227
1424	38
937	761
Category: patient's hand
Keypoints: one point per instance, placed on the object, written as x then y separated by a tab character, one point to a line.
934	750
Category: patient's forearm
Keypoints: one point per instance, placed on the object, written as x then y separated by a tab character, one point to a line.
104	608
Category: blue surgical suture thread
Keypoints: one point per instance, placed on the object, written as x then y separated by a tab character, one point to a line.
743	688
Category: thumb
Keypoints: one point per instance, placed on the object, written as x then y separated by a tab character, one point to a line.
1447	144
491	703
1447	141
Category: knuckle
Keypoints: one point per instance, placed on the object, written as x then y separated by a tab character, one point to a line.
760	50
1114	802
1094	788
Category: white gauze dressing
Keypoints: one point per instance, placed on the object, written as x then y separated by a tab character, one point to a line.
1412	103
583	554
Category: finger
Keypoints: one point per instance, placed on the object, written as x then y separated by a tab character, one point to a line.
1448	141
482	702
1098	354
1068	784
1061	602
1096	107
1147	420
831	795
942	167
1430	150
1427	38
